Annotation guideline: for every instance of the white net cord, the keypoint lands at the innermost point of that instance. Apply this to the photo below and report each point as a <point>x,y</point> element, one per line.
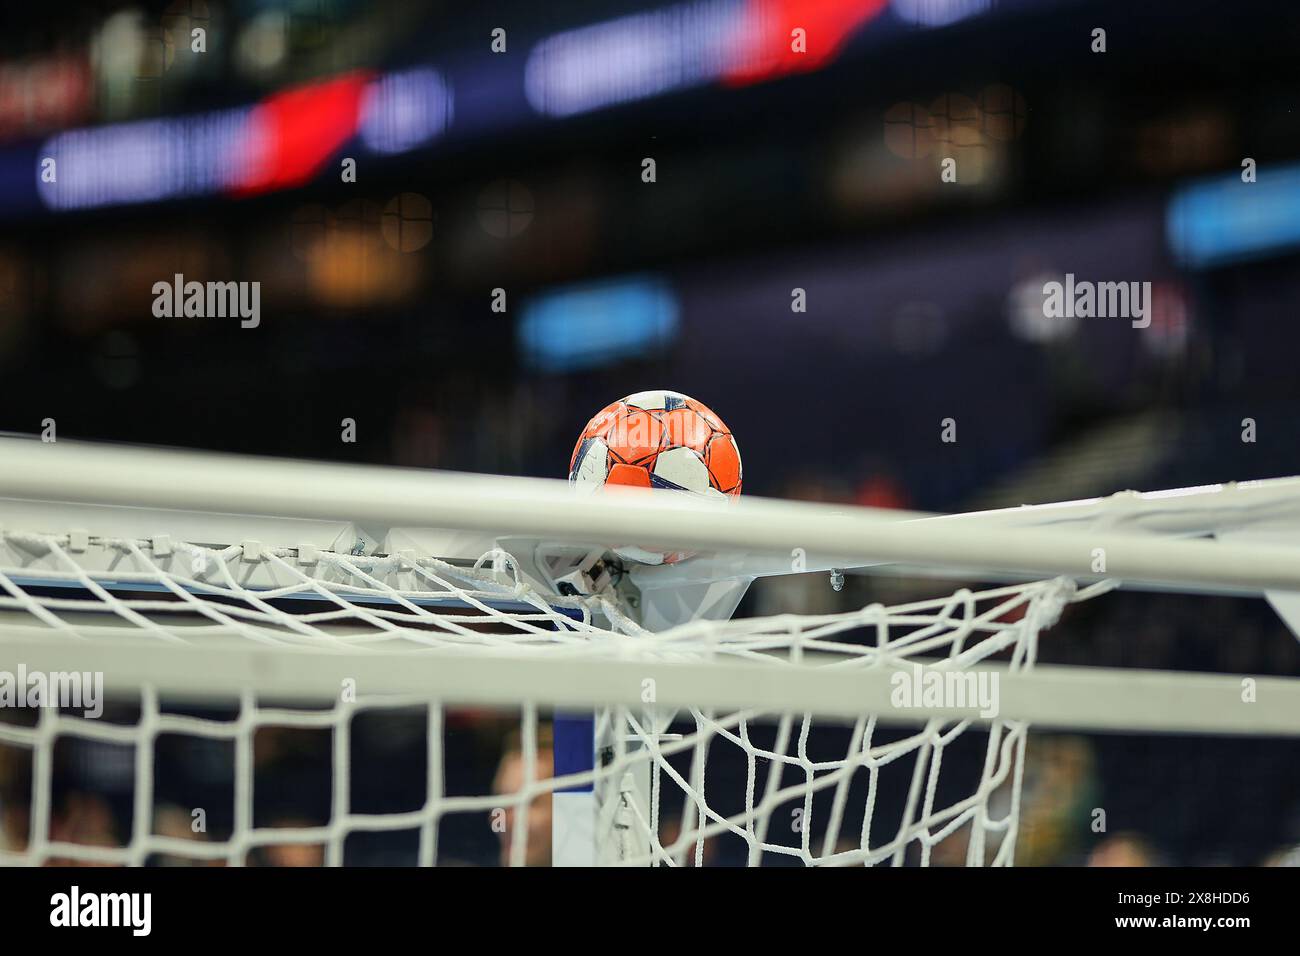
<point>672,787</point>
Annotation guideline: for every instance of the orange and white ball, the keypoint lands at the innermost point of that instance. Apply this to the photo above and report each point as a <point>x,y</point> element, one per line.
<point>657,439</point>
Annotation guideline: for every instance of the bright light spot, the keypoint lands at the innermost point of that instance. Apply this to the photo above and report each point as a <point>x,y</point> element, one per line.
<point>632,58</point>
<point>591,325</point>
<point>404,110</point>
<point>939,13</point>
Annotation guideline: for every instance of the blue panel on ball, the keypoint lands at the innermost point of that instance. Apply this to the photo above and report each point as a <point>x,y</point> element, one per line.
<point>582,453</point>
<point>657,482</point>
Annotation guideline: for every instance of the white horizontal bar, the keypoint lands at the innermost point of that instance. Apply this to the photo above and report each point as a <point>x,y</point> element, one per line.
<point>1200,510</point>
<point>1078,698</point>
<point>529,506</point>
<point>1268,510</point>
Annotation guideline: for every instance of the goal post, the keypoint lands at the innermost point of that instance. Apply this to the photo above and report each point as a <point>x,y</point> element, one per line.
<point>225,601</point>
<point>844,537</point>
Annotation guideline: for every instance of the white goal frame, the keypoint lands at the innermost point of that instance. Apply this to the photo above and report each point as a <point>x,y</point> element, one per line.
<point>1236,539</point>
<point>1241,538</point>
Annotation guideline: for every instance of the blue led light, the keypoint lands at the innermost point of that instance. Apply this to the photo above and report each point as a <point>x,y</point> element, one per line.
<point>589,325</point>
<point>1225,220</point>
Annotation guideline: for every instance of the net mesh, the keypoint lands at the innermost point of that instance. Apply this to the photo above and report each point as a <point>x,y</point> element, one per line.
<point>156,780</point>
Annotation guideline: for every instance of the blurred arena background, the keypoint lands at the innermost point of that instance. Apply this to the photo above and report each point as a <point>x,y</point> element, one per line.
<point>499,269</point>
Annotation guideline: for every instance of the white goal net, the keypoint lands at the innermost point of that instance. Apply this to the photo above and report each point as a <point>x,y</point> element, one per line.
<point>183,686</point>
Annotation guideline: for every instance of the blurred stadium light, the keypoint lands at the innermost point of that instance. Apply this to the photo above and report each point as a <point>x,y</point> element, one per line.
<point>289,134</point>
<point>586,326</point>
<point>939,13</point>
<point>403,111</point>
<point>43,93</point>
<point>631,58</point>
<point>1224,219</point>
<point>145,161</point>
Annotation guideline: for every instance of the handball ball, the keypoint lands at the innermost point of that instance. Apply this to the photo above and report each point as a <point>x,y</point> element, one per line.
<point>657,439</point>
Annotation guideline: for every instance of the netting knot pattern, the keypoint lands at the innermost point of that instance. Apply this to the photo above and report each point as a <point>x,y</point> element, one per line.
<point>667,788</point>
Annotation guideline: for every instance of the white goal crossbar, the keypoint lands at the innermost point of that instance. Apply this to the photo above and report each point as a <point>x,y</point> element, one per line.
<point>1160,539</point>
<point>1047,539</point>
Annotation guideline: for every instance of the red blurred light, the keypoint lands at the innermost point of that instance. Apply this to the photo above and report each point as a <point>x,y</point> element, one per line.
<point>44,94</point>
<point>294,133</point>
<point>765,45</point>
